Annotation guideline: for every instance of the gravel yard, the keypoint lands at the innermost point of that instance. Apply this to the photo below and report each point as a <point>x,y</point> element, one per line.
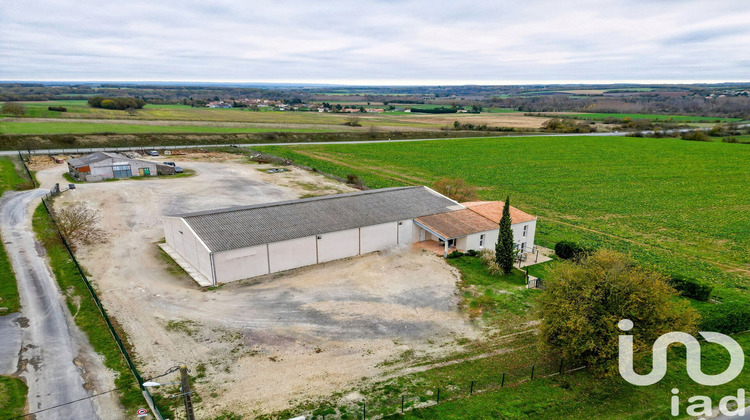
<point>265,343</point>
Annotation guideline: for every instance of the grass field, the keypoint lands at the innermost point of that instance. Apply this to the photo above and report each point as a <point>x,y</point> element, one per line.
<point>651,117</point>
<point>12,397</point>
<point>680,207</point>
<point>53,127</point>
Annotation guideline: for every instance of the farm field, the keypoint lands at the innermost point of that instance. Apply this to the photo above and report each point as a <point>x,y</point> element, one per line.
<point>388,121</point>
<point>678,206</point>
<point>52,127</point>
<point>652,117</point>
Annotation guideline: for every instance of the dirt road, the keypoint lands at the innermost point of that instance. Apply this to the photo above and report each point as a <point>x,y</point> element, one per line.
<point>55,355</point>
<point>267,344</point>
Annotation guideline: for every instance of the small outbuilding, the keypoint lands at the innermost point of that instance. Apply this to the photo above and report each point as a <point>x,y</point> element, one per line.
<point>99,166</point>
<point>231,244</point>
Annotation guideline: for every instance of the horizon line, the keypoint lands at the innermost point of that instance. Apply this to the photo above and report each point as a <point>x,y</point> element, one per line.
<point>391,83</point>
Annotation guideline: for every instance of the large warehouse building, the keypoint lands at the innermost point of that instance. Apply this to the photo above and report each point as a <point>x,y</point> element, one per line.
<point>226,245</point>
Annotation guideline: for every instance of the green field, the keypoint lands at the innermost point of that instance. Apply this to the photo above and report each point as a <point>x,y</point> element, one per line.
<point>678,206</point>
<point>12,397</point>
<point>651,117</point>
<point>53,127</point>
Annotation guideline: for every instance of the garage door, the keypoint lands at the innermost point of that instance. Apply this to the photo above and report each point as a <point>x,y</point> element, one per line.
<point>377,237</point>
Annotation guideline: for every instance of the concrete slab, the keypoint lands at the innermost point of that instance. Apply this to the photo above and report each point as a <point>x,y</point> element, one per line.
<point>199,278</point>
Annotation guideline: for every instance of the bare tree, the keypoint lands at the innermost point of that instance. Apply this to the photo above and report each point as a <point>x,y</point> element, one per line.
<point>456,189</point>
<point>79,224</point>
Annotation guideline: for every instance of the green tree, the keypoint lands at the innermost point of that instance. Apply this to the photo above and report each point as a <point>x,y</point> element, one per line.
<point>504,252</point>
<point>582,304</point>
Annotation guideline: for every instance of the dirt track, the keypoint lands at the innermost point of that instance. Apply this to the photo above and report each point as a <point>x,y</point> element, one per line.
<point>268,343</point>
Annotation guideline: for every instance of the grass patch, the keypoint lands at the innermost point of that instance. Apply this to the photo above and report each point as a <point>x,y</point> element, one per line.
<point>582,395</point>
<point>87,315</point>
<point>501,301</point>
<point>12,397</point>
<point>172,267</point>
<point>650,117</point>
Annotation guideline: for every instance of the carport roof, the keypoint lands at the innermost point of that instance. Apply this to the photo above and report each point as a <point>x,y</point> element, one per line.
<point>241,227</point>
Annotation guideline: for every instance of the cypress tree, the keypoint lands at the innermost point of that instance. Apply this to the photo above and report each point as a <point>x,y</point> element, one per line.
<point>504,251</point>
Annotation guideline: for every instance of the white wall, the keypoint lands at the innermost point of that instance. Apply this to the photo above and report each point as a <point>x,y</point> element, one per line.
<point>187,245</point>
<point>405,229</point>
<point>490,238</point>
<point>337,245</point>
<point>293,253</point>
<point>239,264</point>
<point>377,237</point>
<point>518,237</point>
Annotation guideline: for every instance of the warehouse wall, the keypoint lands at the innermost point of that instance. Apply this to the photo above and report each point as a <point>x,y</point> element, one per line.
<point>337,245</point>
<point>377,237</point>
<point>183,240</point>
<point>293,253</point>
<point>239,264</point>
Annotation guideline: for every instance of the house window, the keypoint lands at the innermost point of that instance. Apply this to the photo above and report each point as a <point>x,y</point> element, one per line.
<point>481,240</point>
<point>525,230</point>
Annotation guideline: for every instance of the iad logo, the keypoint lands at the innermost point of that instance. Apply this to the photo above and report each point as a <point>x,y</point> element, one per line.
<point>693,365</point>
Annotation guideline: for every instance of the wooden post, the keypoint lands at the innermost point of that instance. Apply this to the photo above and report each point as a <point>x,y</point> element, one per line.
<point>471,391</point>
<point>189,415</point>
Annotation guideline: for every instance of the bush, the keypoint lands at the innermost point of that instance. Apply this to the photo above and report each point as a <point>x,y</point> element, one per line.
<point>730,139</point>
<point>12,108</point>
<point>691,288</point>
<point>727,318</point>
<point>455,254</point>
<point>568,250</point>
<point>57,108</point>
<point>116,103</point>
<point>695,135</point>
<point>472,253</point>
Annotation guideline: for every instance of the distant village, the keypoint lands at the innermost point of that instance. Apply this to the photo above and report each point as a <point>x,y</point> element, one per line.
<point>258,104</point>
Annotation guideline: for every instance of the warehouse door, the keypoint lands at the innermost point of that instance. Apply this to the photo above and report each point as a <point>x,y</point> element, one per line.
<point>122,171</point>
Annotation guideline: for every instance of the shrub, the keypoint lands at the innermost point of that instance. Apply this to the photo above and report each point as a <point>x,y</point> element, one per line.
<point>691,288</point>
<point>12,108</point>
<point>730,139</point>
<point>57,108</point>
<point>695,135</point>
<point>727,318</point>
<point>568,250</point>
<point>488,260</point>
<point>472,253</point>
<point>455,254</point>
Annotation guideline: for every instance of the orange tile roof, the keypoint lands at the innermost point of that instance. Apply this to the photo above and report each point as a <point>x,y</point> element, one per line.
<point>493,210</point>
<point>455,224</point>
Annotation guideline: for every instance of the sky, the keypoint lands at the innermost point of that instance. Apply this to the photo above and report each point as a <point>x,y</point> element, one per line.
<point>376,42</point>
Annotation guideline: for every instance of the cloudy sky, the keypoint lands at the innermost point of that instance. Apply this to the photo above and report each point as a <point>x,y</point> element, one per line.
<point>376,41</point>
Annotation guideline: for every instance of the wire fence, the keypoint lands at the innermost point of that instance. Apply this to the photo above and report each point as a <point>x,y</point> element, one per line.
<point>385,403</point>
<point>89,287</point>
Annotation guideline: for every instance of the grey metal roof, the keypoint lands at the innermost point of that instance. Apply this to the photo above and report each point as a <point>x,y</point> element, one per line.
<point>95,157</point>
<point>240,227</point>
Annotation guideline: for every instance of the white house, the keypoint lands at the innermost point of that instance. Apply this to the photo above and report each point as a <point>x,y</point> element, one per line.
<point>226,245</point>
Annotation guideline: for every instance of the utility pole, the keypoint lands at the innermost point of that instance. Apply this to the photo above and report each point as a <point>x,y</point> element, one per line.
<point>185,380</point>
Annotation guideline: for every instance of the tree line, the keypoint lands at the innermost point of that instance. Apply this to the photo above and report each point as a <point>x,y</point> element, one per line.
<point>121,103</point>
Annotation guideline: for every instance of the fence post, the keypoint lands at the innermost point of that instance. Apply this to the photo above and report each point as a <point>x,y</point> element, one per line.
<point>502,382</point>
<point>561,365</point>
<point>364,410</point>
<point>532,372</point>
<point>471,391</point>
<point>402,404</point>
<point>438,396</point>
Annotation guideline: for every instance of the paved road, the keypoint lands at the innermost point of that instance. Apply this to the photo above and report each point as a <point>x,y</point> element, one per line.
<point>50,338</point>
<point>74,150</point>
